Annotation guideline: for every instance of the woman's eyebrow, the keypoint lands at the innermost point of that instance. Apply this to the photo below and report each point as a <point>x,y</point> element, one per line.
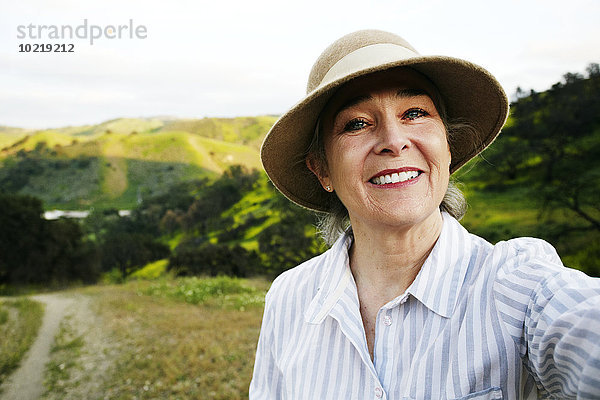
<point>403,93</point>
<point>352,102</point>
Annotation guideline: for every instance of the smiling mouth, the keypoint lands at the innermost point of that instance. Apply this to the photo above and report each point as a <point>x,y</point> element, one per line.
<point>396,177</point>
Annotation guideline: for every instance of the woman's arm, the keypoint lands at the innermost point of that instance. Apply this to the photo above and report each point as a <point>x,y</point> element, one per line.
<point>562,333</point>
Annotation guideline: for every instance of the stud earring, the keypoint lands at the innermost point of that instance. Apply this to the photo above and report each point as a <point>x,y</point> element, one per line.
<point>328,188</point>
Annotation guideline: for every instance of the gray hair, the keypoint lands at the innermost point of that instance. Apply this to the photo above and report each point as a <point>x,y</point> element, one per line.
<point>336,219</point>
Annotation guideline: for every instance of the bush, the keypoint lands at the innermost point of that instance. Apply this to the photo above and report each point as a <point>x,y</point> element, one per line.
<point>152,270</point>
<point>114,277</point>
<point>221,292</point>
<point>126,251</point>
<point>33,250</point>
<point>286,244</point>
<point>213,259</point>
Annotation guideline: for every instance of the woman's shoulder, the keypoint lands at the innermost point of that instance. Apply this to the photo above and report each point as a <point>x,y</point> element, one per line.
<point>511,253</point>
<point>525,255</point>
<point>301,280</point>
<point>305,278</point>
<point>529,267</point>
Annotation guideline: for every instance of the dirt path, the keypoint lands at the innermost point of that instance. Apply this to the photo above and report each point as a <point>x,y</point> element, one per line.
<point>27,382</point>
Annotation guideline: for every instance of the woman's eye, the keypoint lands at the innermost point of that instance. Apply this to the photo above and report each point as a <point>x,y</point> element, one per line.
<point>355,125</point>
<point>414,113</point>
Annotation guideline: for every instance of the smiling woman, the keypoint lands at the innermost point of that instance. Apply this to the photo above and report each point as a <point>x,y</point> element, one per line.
<point>336,220</point>
<point>406,304</point>
<point>391,127</point>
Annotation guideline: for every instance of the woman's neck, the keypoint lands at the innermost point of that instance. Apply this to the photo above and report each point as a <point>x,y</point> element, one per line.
<point>386,260</point>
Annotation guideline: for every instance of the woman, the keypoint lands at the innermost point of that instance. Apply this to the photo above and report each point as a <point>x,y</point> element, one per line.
<point>407,304</point>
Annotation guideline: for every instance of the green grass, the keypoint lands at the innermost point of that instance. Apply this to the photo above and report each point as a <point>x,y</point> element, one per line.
<point>7,139</point>
<point>28,142</point>
<point>164,146</point>
<point>3,315</point>
<point>72,186</point>
<point>172,349</point>
<point>226,154</point>
<point>148,178</point>
<point>242,130</point>
<point>500,216</point>
<point>64,354</point>
<point>220,292</point>
<point>125,126</point>
<point>22,320</point>
<point>151,271</point>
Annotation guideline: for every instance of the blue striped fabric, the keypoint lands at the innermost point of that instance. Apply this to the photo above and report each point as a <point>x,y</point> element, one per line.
<point>479,322</point>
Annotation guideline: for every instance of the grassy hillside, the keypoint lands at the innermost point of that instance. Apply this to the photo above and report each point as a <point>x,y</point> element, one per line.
<point>9,135</point>
<point>245,130</point>
<point>119,162</point>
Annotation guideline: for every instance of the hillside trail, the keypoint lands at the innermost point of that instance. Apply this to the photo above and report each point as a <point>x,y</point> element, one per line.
<point>27,382</point>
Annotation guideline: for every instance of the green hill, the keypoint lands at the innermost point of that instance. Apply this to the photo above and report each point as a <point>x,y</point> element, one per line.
<point>119,162</point>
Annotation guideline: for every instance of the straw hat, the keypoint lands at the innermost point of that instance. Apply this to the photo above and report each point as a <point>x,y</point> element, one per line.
<point>468,91</point>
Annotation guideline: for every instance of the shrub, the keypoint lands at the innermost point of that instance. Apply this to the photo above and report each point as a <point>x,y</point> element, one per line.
<point>213,259</point>
<point>126,251</point>
<point>152,270</point>
<point>221,292</point>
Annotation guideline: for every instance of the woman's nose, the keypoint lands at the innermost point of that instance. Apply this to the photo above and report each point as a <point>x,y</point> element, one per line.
<point>392,137</point>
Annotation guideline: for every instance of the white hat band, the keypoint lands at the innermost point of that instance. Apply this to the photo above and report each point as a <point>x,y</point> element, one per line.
<point>367,57</point>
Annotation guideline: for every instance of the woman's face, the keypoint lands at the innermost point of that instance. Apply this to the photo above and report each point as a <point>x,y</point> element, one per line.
<point>387,153</point>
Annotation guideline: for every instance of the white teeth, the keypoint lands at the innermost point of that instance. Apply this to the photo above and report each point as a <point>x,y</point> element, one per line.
<point>395,177</point>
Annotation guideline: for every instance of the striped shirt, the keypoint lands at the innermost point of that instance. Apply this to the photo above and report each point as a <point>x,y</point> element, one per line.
<point>480,321</point>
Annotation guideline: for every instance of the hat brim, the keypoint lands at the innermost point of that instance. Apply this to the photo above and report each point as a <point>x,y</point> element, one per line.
<point>469,92</point>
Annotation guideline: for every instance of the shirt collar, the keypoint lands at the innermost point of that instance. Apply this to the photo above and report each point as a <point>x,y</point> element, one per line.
<point>440,280</point>
<point>437,285</point>
<point>335,279</point>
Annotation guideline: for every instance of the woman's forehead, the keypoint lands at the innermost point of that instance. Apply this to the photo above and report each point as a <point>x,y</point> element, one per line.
<point>404,81</point>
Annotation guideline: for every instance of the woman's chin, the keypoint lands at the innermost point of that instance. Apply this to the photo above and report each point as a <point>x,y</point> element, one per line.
<point>399,214</point>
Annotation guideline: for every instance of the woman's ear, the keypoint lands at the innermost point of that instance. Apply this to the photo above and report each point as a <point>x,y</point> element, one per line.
<point>320,171</point>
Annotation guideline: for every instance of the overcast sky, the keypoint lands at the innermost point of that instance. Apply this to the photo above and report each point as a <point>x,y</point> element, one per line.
<point>236,58</point>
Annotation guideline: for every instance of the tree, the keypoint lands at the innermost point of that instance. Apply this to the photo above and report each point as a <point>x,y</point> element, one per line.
<point>554,142</point>
<point>192,258</point>
<point>128,251</point>
<point>288,242</point>
<point>33,250</point>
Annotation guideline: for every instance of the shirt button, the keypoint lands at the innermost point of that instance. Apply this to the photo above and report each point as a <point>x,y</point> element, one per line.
<point>378,392</point>
<point>387,320</point>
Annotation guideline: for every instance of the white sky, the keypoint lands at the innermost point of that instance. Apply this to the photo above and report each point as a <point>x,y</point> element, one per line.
<point>232,58</point>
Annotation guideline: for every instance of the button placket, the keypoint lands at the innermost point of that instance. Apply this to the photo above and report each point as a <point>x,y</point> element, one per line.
<point>378,392</point>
